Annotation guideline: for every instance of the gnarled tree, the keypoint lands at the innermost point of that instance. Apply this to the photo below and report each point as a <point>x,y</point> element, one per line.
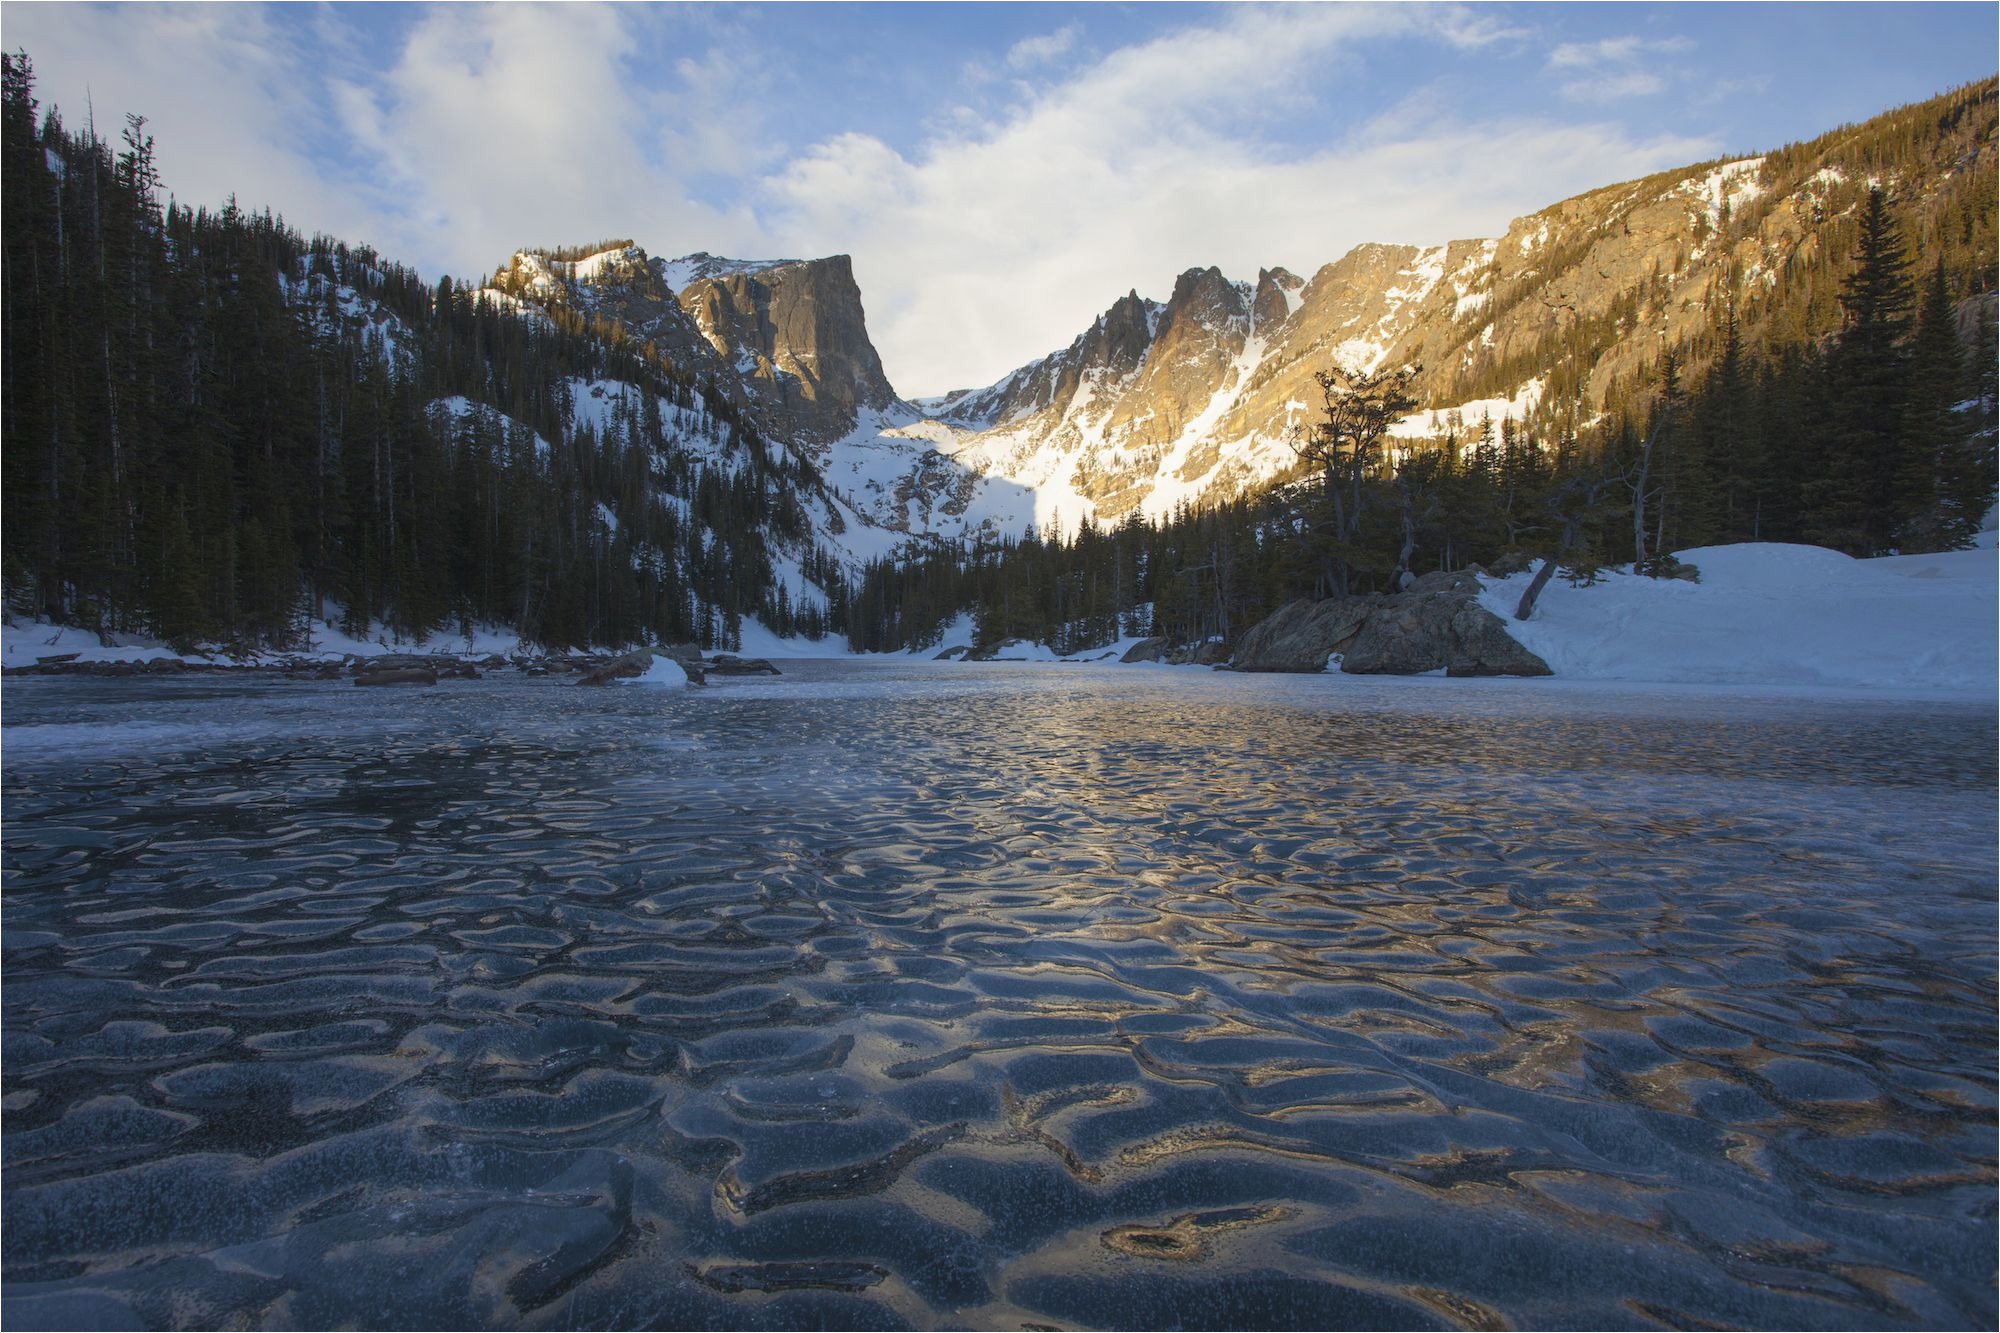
<point>1346,449</point>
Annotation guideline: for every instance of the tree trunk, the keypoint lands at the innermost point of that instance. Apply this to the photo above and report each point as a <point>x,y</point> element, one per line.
<point>1639,511</point>
<point>1541,581</point>
<point>1409,546</point>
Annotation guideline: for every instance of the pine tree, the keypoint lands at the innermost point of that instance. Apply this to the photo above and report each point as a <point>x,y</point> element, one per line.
<point>1941,487</point>
<point>1857,504</point>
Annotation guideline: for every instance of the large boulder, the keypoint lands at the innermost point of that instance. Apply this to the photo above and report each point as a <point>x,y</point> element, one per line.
<point>1432,631</point>
<point>725,665</point>
<point>416,675</point>
<point>1299,635</point>
<point>687,654</point>
<point>635,663</point>
<point>1405,636</point>
<point>395,662</point>
<point>1436,625</point>
<point>1458,580</point>
<point>1146,650</point>
<point>1485,648</point>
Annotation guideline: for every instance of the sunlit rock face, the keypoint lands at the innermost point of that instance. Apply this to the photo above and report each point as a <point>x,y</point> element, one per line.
<point>1200,398</point>
<point>797,334</point>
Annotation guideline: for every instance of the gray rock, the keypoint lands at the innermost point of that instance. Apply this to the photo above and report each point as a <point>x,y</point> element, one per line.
<point>1419,632</point>
<point>395,662</point>
<point>1146,650</point>
<point>1405,636</point>
<point>1438,625</point>
<point>1438,580</point>
<point>952,654</point>
<point>1485,648</point>
<point>422,675</point>
<point>635,663</point>
<point>725,665</point>
<point>1299,635</point>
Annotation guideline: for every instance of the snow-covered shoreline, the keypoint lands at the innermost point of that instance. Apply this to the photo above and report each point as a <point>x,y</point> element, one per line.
<point>1773,616</point>
<point>1764,619</point>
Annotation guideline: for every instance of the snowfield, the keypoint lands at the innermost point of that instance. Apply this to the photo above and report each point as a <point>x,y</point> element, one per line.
<point>1778,615</point>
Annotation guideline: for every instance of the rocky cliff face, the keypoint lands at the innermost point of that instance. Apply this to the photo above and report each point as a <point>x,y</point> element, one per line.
<point>788,338</point>
<point>796,333</point>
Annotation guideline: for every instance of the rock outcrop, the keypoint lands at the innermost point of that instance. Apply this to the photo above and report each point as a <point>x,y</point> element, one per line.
<point>797,335</point>
<point>1299,636</point>
<point>726,665</point>
<point>1437,625</point>
<point>1415,632</point>
<point>632,665</point>
<point>629,666</point>
<point>412,675</point>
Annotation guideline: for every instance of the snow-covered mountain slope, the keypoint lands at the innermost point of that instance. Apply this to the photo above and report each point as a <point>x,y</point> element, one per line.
<point>1199,397</point>
<point>336,295</point>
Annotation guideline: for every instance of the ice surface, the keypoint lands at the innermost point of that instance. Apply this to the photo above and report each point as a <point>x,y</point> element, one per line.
<point>901,993</point>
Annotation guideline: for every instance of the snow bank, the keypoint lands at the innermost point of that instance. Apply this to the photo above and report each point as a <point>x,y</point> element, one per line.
<point>1771,614</point>
<point>23,643</point>
<point>665,673</point>
<point>761,642</point>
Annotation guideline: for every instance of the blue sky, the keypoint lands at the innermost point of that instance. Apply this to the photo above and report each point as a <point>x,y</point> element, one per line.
<point>1000,173</point>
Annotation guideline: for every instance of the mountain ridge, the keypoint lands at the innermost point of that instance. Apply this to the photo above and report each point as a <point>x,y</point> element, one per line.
<point>1196,398</point>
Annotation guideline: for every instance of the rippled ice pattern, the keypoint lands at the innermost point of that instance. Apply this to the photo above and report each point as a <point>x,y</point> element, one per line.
<point>995,997</point>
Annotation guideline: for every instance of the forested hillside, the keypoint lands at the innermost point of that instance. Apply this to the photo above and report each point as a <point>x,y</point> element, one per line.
<point>218,430</point>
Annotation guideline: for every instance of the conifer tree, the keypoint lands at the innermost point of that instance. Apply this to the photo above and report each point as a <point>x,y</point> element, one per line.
<point>1942,485</point>
<point>1857,503</point>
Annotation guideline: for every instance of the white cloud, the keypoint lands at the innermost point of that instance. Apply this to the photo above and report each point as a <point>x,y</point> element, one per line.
<point>1032,51</point>
<point>1614,87</point>
<point>488,127</point>
<point>995,244</point>
<point>216,84</point>
<point>512,125</point>
<point>1615,68</point>
<point>467,131</point>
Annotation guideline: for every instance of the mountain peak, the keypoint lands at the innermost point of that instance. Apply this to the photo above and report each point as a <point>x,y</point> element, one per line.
<point>682,273</point>
<point>795,330</point>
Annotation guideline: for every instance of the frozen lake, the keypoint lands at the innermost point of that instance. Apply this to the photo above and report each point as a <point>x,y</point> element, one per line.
<point>946,995</point>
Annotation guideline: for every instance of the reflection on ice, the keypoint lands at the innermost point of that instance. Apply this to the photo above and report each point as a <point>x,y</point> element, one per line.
<point>882,995</point>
